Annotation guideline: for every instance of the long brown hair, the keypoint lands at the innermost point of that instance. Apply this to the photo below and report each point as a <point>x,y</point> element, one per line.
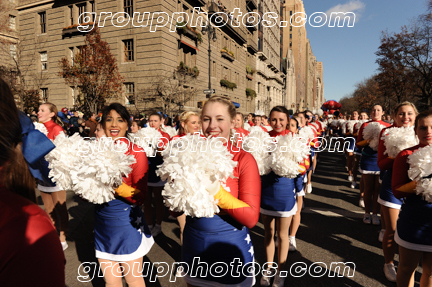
<point>53,109</point>
<point>14,173</point>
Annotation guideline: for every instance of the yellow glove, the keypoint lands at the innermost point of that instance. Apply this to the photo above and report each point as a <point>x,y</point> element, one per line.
<point>125,190</point>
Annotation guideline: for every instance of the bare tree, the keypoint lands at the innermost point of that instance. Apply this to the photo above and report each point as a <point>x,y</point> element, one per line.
<point>169,92</point>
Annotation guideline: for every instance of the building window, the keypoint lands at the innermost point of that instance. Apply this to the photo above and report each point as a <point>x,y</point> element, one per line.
<point>42,21</point>
<point>130,92</point>
<point>128,6</point>
<point>290,28</point>
<point>93,9</point>
<point>12,48</point>
<point>290,36</point>
<point>71,53</point>
<point>71,15</point>
<point>44,61</point>
<point>128,50</point>
<point>290,44</point>
<point>12,22</point>
<point>81,9</point>
<point>214,69</point>
<point>290,13</point>
<point>44,94</point>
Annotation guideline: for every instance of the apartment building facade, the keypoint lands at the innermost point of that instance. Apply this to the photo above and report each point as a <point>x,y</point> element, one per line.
<point>48,32</point>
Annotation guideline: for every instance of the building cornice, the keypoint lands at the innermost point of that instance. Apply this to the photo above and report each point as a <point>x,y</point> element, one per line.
<point>32,5</point>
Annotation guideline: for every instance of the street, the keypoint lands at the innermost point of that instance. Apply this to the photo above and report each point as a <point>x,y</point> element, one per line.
<point>331,231</point>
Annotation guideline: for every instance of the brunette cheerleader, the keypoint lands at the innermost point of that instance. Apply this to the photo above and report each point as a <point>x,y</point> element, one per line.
<point>122,236</point>
<point>53,197</point>
<point>414,228</point>
<point>278,204</point>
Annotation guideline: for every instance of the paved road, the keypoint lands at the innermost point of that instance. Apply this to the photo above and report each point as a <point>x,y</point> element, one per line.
<point>331,231</point>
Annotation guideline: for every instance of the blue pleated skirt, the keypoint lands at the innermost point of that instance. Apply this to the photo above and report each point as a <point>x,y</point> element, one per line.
<point>278,195</point>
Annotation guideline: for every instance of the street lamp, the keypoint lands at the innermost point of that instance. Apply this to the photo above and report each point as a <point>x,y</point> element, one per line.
<point>211,35</point>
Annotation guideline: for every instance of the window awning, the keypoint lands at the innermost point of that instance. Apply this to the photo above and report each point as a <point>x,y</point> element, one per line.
<point>189,45</point>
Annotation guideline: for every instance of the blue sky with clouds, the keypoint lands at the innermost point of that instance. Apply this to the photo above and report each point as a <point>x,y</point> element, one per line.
<point>348,54</point>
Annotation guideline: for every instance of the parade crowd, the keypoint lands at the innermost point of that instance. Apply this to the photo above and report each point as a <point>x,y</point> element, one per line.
<point>379,147</point>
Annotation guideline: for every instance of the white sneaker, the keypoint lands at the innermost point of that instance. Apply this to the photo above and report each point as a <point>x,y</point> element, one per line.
<point>361,202</point>
<point>381,235</point>
<point>265,280</point>
<point>375,219</point>
<point>309,188</point>
<point>156,230</point>
<point>64,245</point>
<point>353,184</point>
<point>278,281</point>
<point>292,244</point>
<point>390,272</point>
<point>350,178</point>
<point>367,218</point>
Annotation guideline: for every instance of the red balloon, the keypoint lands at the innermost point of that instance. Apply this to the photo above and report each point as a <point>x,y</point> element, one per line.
<point>332,111</point>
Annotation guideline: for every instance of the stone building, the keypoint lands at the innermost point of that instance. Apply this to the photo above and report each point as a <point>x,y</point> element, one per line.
<point>48,32</point>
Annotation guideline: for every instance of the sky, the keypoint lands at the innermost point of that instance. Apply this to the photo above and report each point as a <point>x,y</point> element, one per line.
<point>348,53</point>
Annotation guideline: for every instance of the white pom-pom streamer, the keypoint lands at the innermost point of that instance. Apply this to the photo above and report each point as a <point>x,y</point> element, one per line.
<point>371,133</point>
<point>170,131</point>
<point>351,125</point>
<point>307,133</point>
<point>256,143</point>
<point>420,168</point>
<point>147,138</point>
<point>102,171</point>
<point>398,139</point>
<point>290,151</point>
<point>41,127</point>
<point>187,161</point>
<point>359,124</point>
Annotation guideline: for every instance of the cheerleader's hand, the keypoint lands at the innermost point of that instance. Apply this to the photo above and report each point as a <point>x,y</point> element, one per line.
<point>125,190</point>
<point>212,187</point>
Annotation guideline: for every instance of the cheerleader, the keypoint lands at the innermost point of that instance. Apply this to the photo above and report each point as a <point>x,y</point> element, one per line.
<point>122,236</point>
<point>136,126</point>
<point>239,125</point>
<point>350,151</point>
<point>414,229</point>
<point>404,116</point>
<point>357,151</point>
<point>278,204</point>
<point>299,189</point>
<point>370,170</point>
<point>53,197</point>
<point>155,184</point>
<point>225,237</point>
<point>190,123</point>
<point>250,119</point>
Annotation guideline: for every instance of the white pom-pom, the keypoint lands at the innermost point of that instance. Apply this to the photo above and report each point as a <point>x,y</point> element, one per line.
<point>170,131</point>
<point>371,133</point>
<point>147,138</point>
<point>320,112</point>
<point>290,151</point>
<point>398,139</point>
<point>101,171</point>
<point>256,129</point>
<point>323,124</point>
<point>334,123</point>
<point>90,169</point>
<point>307,133</point>
<point>41,127</point>
<point>256,144</point>
<point>65,156</point>
<point>246,126</point>
<point>350,127</point>
<point>359,124</point>
<point>420,168</point>
<point>187,161</point>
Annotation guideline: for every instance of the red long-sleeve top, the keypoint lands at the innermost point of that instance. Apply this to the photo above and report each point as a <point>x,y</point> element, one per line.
<point>251,123</point>
<point>139,175</point>
<point>242,201</point>
<point>360,133</point>
<point>384,162</point>
<point>400,171</point>
<point>165,138</point>
<point>53,129</point>
<point>28,237</point>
